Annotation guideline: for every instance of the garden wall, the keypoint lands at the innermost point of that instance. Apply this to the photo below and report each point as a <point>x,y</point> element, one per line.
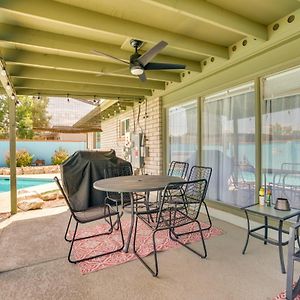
<point>40,149</point>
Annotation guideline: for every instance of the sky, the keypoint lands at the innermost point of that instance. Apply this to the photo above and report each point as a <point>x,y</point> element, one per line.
<point>66,113</point>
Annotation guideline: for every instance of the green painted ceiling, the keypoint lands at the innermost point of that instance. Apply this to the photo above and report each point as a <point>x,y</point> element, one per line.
<point>47,44</point>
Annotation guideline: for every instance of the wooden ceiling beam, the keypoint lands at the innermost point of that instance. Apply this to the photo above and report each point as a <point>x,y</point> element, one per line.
<point>76,87</point>
<point>77,47</point>
<point>58,62</point>
<point>215,15</point>
<point>75,77</point>
<point>75,17</point>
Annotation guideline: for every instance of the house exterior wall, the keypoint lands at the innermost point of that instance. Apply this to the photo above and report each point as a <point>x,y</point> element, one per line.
<point>147,121</point>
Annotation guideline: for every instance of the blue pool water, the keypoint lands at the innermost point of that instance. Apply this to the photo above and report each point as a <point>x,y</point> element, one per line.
<point>22,183</point>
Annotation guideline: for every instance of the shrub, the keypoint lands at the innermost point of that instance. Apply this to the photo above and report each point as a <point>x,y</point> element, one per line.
<point>23,158</point>
<point>59,156</point>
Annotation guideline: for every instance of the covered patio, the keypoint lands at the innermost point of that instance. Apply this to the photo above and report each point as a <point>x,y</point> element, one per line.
<point>34,265</point>
<point>221,90</point>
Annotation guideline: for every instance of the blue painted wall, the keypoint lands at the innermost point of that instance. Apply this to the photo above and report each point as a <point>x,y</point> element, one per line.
<point>40,149</point>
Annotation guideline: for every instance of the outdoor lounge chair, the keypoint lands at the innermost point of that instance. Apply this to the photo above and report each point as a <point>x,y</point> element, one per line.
<point>178,169</point>
<point>293,255</point>
<point>199,172</point>
<point>89,215</point>
<point>171,213</point>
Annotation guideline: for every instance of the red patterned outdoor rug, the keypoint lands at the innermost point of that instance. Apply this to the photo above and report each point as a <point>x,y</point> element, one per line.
<point>93,246</point>
<point>282,296</point>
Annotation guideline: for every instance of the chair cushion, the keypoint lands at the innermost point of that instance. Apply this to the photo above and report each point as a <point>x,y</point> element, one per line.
<point>94,213</point>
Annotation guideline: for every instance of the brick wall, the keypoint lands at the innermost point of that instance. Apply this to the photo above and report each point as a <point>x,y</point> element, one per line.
<point>150,124</point>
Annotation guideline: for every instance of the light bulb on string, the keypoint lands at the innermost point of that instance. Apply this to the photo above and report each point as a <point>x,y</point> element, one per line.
<point>8,87</point>
<point>3,72</point>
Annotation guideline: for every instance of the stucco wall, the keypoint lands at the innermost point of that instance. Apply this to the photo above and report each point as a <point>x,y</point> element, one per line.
<point>40,149</point>
<point>151,125</point>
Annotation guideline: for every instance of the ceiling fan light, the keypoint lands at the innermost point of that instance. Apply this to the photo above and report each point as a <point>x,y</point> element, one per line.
<point>136,70</point>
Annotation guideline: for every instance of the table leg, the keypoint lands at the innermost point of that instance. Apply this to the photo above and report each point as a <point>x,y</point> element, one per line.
<point>297,232</point>
<point>131,224</point>
<point>248,233</point>
<point>266,230</point>
<point>280,247</point>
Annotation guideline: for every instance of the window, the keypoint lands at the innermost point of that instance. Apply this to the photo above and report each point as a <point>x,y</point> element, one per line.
<point>124,127</point>
<point>281,135</point>
<point>182,132</point>
<point>228,137</point>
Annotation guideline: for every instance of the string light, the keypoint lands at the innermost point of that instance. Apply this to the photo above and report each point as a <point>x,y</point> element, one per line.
<point>8,87</point>
<point>13,97</point>
<point>39,96</point>
<point>3,71</point>
<point>68,99</point>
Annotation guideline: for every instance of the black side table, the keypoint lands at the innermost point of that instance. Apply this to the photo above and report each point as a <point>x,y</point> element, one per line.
<point>280,216</point>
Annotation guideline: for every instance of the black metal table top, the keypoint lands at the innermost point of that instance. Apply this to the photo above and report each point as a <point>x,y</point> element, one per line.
<point>140,183</point>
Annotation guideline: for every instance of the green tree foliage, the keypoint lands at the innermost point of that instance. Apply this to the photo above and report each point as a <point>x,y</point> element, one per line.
<point>30,112</point>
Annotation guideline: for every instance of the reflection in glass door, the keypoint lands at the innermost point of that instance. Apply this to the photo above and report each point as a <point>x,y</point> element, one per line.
<point>228,137</point>
<point>182,133</point>
<point>281,135</point>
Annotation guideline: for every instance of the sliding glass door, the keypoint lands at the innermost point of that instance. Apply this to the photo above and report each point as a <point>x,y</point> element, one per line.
<point>228,137</point>
<point>281,135</point>
<point>182,133</point>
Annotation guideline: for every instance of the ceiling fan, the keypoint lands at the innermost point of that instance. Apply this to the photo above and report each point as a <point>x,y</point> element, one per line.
<point>138,63</point>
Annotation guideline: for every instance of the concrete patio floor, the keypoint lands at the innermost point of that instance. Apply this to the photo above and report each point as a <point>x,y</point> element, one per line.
<point>33,265</point>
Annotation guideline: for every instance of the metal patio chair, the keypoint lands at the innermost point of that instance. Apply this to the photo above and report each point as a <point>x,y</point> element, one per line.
<point>116,171</point>
<point>178,169</point>
<point>122,198</point>
<point>293,255</point>
<point>200,172</point>
<point>172,213</point>
<point>89,215</point>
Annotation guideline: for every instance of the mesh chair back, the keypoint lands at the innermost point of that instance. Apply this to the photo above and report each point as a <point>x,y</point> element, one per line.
<point>69,203</point>
<point>178,169</point>
<point>184,208</point>
<point>117,171</point>
<point>199,172</point>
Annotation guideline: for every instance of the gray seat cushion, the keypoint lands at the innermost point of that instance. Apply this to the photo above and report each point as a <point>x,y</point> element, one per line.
<point>94,213</point>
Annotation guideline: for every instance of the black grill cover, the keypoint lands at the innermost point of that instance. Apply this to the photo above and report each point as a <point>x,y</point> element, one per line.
<point>81,170</point>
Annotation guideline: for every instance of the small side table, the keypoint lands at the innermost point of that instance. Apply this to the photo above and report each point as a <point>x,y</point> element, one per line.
<point>280,216</point>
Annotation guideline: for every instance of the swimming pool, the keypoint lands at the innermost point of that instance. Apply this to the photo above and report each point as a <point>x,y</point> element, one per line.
<point>22,183</point>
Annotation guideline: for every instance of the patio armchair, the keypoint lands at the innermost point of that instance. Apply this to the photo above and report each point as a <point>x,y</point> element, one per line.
<point>122,198</point>
<point>87,215</point>
<point>172,213</point>
<point>200,172</point>
<point>293,255</point>
<point>116,171</point>
<point>178,169</point>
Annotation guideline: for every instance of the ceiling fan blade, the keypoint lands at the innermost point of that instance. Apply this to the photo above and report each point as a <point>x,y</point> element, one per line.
<point>148,55</point>
<point>143,77</point>
<point>163,66</point>
<point>110,56</point>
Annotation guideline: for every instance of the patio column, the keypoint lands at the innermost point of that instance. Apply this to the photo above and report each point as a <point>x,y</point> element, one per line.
<point>258,139</point>
<point>12,155</point>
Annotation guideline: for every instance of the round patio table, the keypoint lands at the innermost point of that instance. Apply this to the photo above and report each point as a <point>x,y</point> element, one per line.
<point>135,184</point>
